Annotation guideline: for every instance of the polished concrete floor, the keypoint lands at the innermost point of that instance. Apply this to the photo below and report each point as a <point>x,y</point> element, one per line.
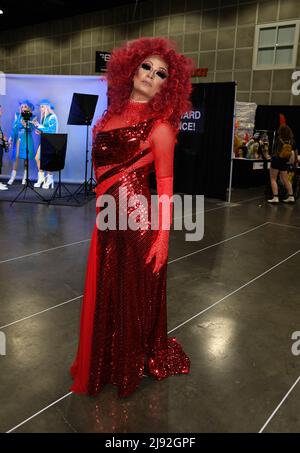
<point>233,304</point>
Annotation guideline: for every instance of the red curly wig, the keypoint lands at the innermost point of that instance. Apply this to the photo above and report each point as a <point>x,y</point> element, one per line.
<point>172,100</point>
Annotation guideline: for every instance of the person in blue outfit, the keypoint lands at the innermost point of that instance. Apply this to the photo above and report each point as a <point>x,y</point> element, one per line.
<point>48,124</point>
<point>17,139</point>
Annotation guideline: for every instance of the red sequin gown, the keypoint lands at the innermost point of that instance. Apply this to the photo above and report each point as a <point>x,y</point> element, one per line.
<point>123,328</point>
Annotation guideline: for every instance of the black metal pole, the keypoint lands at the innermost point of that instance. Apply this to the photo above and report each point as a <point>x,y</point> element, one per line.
<point>86,159</point>
<point>27,152</point>
<point>59,182</point>
<point>91,178</point>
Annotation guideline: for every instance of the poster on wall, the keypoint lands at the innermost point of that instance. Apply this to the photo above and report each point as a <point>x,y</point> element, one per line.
<point>102,58</point>
<point>193,121</point>
<point>58,90</point>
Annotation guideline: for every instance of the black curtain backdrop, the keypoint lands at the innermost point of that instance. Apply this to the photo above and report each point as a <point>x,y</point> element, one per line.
<point>202,161</point>
<point>267,117</point>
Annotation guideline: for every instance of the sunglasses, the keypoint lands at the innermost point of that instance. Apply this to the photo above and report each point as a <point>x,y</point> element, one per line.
<point>161,73</point>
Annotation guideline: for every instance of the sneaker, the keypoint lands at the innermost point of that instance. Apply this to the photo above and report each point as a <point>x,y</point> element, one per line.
<point>3,186</point>
<point>289,199</point>
<point>274,200</point>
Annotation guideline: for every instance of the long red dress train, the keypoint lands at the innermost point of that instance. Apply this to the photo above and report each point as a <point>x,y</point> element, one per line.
<point>123,329</point>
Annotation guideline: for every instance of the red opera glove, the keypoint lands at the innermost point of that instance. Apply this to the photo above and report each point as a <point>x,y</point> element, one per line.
<point>162,143</point>
<point>160,248</point>
<point>165,206</point>
<point>159,251</point>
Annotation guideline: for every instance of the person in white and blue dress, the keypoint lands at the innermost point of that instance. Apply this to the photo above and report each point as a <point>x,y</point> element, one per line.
<point>47,124</point>
<point>17,140</point>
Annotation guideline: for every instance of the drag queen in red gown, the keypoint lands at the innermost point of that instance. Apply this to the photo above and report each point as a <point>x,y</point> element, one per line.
<point>123,328</point>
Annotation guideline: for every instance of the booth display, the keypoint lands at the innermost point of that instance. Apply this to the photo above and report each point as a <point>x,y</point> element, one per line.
<point>204,149</point>
<point>250,172</point>
<point>245,118</point>
<point>47,91</point>
<point>252,159</point>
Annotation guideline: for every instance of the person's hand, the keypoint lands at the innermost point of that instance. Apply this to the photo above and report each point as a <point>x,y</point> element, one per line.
<point>10,142</point>
<point>159,251</point>
<point>35,122</point>
<point>37,132</point>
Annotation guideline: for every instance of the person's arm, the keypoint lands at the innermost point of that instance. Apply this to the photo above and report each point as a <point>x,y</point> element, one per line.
<point>15,130</point>
<point>162,141</point>
<point>3,140</point>
<point>51,127</point>
<point>292,159</point>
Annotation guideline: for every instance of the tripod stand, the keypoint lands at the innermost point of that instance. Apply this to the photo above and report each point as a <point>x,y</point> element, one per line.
<point>81,113</point>
<point>92,179</point>
<point>87,185</point>
<point>28,184</point>
<point>58,190</point>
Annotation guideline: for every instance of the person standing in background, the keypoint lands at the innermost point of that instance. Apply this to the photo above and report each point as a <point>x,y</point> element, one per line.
<point>48,124</point>
<point>17,139</point>
<point>283,152</point>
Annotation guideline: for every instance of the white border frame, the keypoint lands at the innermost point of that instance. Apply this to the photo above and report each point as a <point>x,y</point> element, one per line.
<point>277,24</point>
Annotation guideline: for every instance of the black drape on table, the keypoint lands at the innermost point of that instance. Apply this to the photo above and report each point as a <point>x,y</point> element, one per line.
<point>267,117</point>
<point>202,160</point>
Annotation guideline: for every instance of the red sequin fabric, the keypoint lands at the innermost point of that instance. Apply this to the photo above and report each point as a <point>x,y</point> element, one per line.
<point>123,330</point>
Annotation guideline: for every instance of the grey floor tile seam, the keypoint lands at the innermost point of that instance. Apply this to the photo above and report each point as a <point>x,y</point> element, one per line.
<point>43,251</point>
<point>226,205</point>
<point>66,421</point>
<point>261,197</point>
<point>285,225</point>
<point>39,412</point>
<point>236,290</point>
<point>170,262</point>
<point>219,243</point>
<point>234,203</point>
<point>41,312</point>
<point>279,406</point>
